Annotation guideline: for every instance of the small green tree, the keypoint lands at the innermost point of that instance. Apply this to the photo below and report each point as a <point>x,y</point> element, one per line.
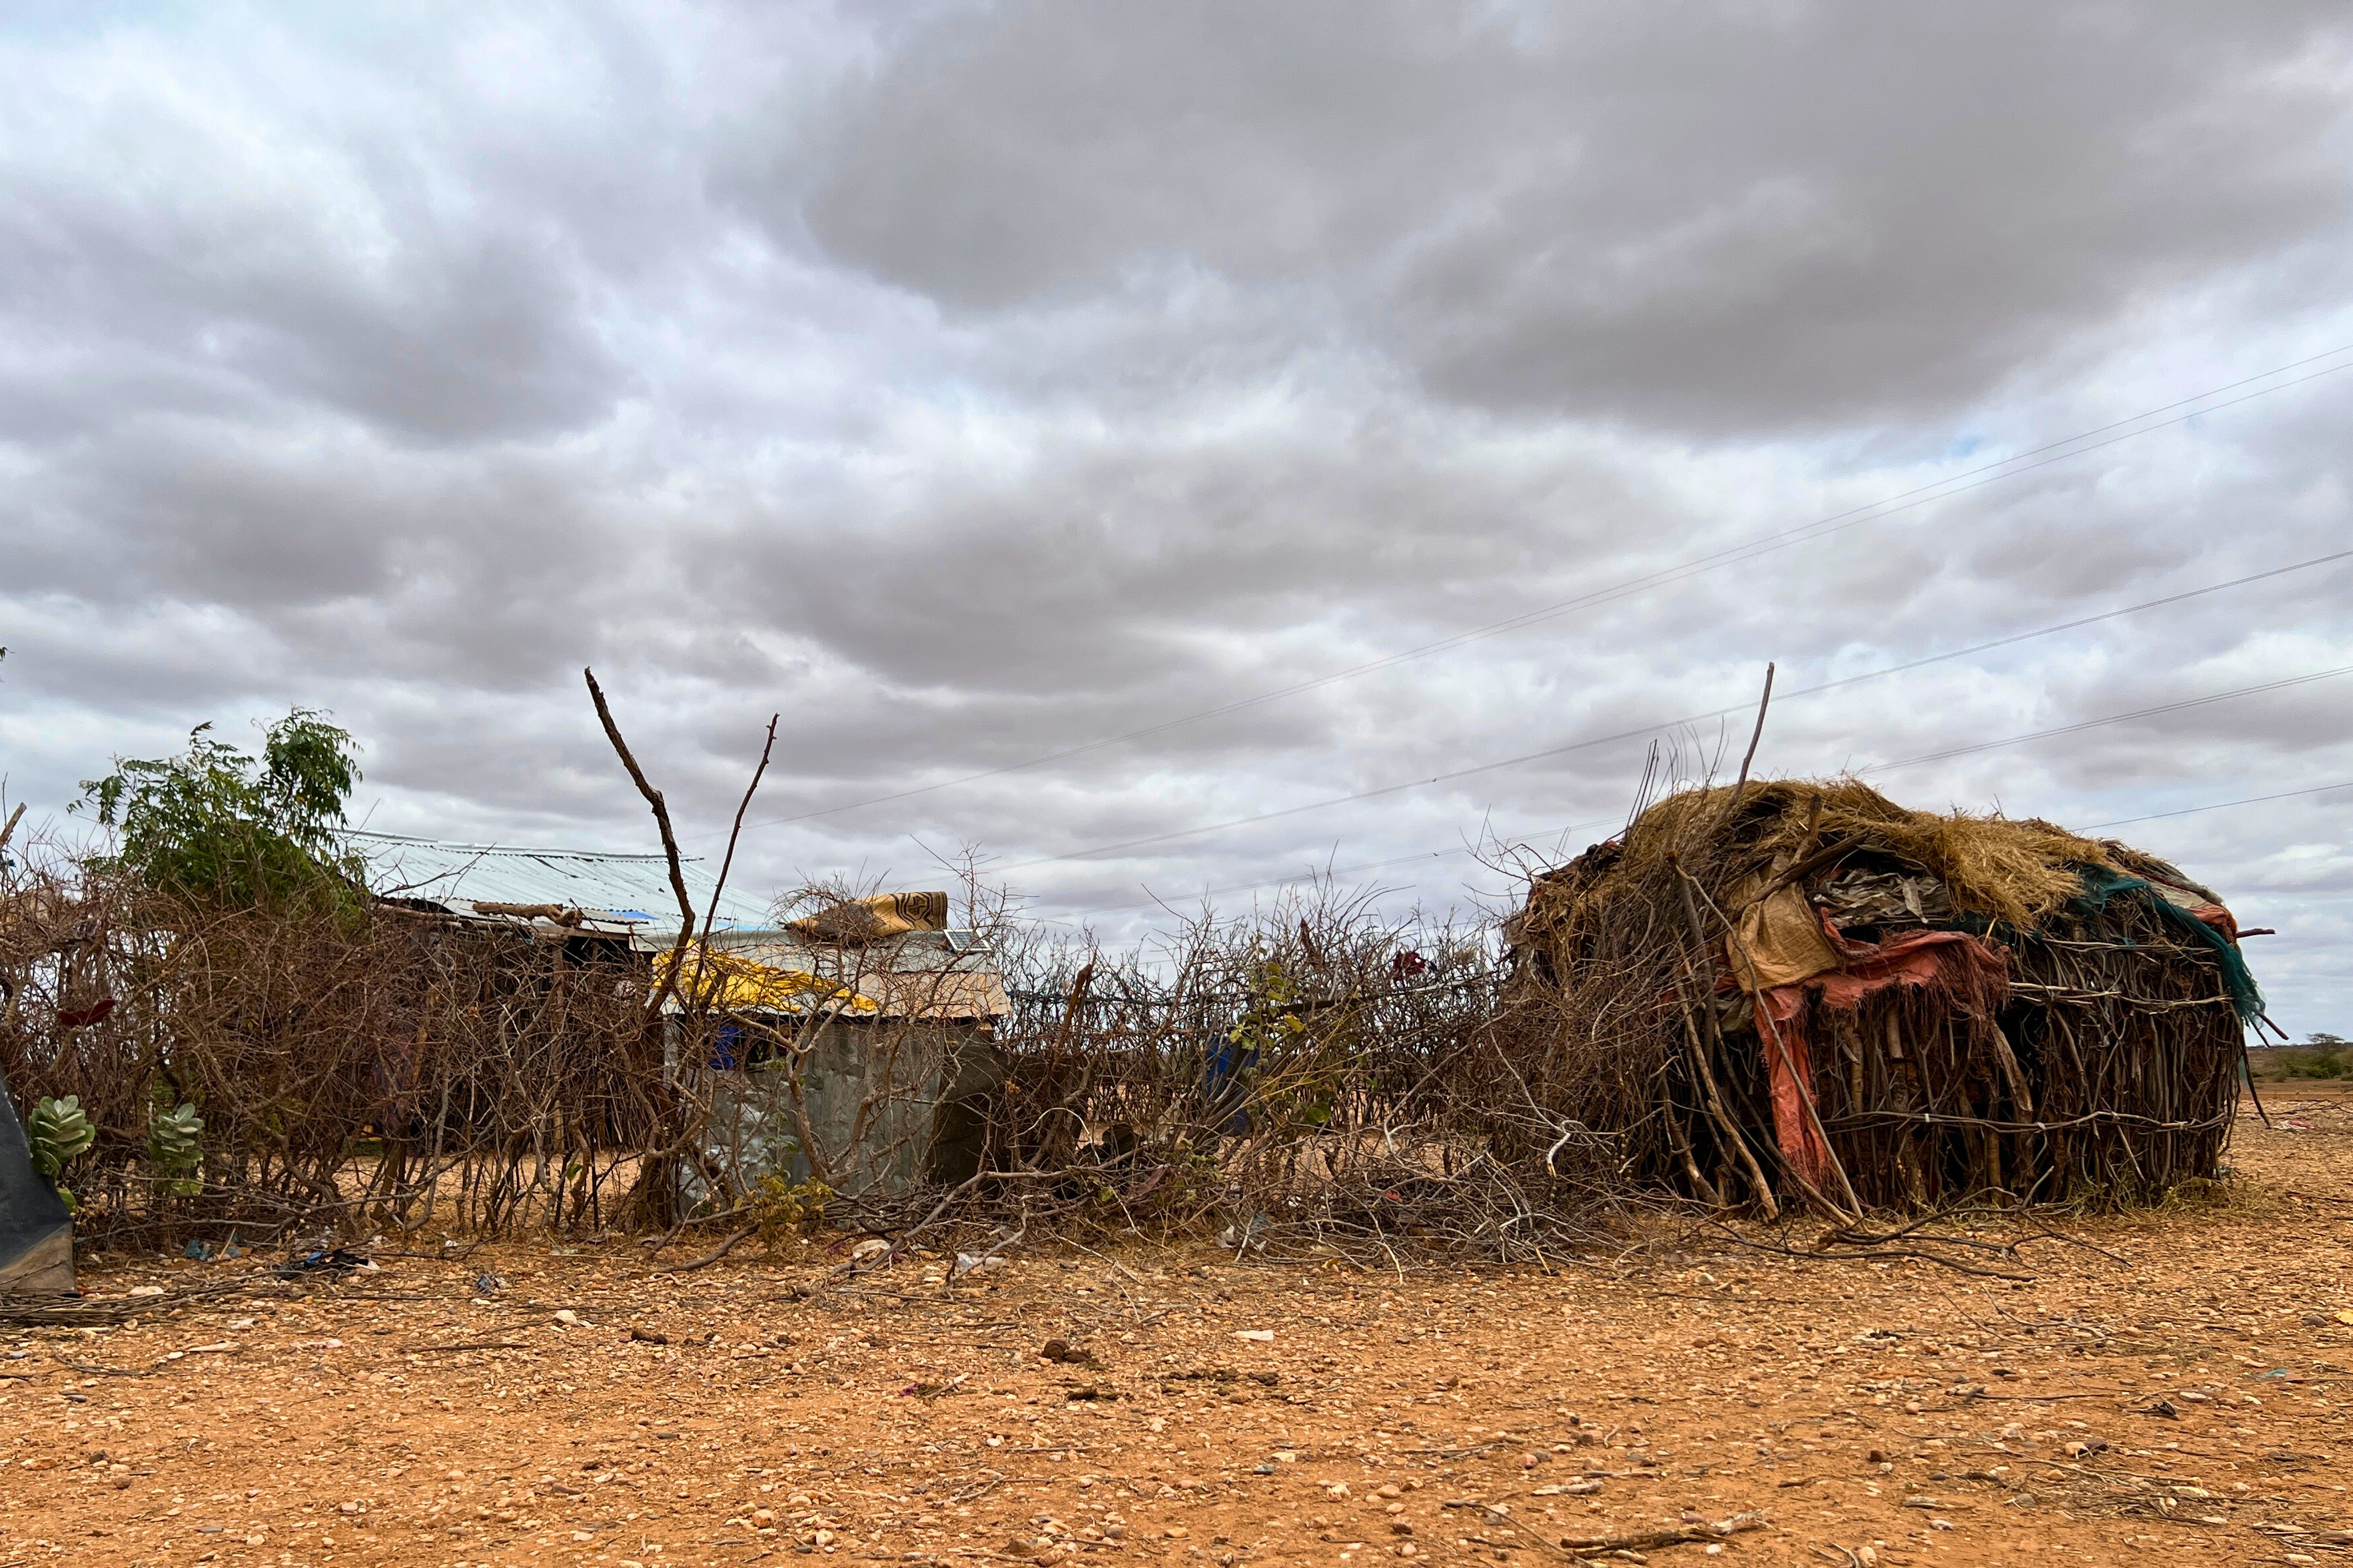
<point>220,825</point>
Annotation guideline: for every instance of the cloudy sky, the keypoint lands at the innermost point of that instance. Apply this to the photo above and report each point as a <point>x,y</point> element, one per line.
<point>1152,444</point>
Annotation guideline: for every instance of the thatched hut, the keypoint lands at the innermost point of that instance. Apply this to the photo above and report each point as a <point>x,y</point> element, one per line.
<point>1802,992</point>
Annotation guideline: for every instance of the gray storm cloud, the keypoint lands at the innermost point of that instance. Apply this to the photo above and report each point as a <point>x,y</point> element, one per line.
<point>1009,396</point>
<point>1729,218</point>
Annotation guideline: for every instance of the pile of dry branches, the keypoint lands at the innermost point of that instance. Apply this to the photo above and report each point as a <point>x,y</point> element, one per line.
<point>1308,1077</point>
<point>361,1069</point>
<point>1305,1077</point>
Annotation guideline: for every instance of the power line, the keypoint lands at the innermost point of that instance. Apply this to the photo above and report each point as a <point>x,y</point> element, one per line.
<point>1636,734</point>
<point>2076,624</point>
<point>2219,805</point>
<point>1146,903</point>
<point>1328,871</point>
<point>1654,728</point>
<point>1905,500</point>
<point>1598,821</point>
<point>2112,718</point>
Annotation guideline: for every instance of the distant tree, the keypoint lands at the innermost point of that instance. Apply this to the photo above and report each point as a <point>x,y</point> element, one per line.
<point>2322,1054</point>
<point>219,824</point>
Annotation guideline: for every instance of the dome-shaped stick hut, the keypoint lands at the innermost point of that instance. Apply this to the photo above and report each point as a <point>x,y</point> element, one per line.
<point>1801,990</point>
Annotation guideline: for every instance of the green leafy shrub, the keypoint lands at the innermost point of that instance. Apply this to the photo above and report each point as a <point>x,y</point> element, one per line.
<point>234,830</point>
<point>783,1210</point>
<point>2322,1056</point>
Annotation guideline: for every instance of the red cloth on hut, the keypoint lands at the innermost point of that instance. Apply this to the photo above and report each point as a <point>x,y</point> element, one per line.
<point>1973,973</point>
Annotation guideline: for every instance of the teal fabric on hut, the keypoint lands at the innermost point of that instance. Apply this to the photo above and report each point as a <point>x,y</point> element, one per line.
<point>2100,885</point>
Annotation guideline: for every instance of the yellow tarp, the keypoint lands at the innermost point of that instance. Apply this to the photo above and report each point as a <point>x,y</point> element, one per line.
<point>730,981</point>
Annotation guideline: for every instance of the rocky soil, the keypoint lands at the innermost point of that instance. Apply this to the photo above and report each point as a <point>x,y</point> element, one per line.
<point>2161,1387</point>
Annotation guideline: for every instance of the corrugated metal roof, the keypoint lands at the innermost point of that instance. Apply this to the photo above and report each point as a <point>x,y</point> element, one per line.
<point>631,891</point>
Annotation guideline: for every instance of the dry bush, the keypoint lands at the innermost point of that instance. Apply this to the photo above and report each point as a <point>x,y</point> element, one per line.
<point>357,1070</point>
<point>1305,1077</point>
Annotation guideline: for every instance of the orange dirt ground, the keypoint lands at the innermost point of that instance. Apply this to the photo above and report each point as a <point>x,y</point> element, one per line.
<point>1880,1411</point>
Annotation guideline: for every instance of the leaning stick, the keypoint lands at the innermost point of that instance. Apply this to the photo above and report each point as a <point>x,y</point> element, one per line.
<point>668,840</point>
<point>1682,1140</point>
<point>1725,1127</point>
<point>1755,735</point>
<point>703,959</point>
<point>1722,1118</point>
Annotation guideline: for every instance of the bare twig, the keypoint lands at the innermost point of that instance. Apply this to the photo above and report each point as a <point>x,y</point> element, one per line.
<point>669,842</point>
<point>727,863</point>
<point>1740,785</point>
<point>1673,1535</point>
<point>716,1253</point>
